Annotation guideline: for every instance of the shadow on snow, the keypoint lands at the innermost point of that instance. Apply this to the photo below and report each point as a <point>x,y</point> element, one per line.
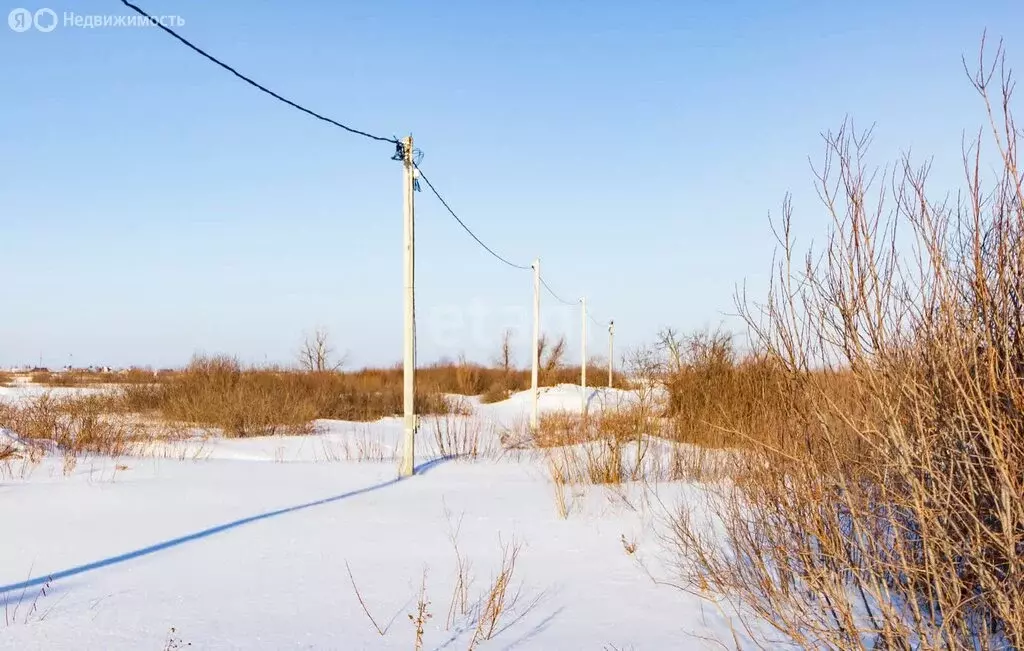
<point>205,533</point>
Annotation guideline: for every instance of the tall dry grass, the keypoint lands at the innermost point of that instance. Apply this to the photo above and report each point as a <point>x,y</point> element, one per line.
<point>888,510</point>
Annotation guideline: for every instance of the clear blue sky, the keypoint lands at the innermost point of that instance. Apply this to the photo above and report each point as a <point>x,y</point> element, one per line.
<point>152,206</point>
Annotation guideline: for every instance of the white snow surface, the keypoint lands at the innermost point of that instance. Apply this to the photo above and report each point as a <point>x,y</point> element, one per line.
<point>245,544</point>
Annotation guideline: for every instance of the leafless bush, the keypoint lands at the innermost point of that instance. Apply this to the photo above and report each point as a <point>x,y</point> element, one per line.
<point>888,512</point>
<point>456,436</point>
<point>72,425</point>
<point>505,359</point>
<point>218,392</point>
<point>316,354</point>
<point>552,356</point>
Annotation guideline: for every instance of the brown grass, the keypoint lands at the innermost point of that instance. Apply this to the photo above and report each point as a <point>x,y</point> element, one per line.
<point>6,379</point>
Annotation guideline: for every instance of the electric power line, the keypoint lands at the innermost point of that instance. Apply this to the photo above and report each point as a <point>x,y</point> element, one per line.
<point>333,122</point>
<point>466,228</point>
<point>556,296</point>
<point>249,81</point>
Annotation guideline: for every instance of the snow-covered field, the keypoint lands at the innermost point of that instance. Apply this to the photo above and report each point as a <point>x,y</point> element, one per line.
<point>255,544</point>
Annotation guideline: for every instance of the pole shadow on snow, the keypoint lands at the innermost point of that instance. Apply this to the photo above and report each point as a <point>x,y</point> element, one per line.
<point>205,533</point>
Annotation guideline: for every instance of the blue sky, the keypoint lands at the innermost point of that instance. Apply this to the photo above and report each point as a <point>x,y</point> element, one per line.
<point>152,206</point>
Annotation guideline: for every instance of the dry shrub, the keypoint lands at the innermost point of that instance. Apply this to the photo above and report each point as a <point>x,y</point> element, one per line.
<point>50,379</point>
<point>609,447</point>
<point>218,392</point>
<point>6,379</point>
<point>455,435</point>
<point>715,399</point>
<point>134,375</point>
<point>496,393</point>
<point>497,382</point>
<point>623,424</point>
<point>72,424</point>
<point>888,511</point>
<point>87,377</point>
<point>561,428</point>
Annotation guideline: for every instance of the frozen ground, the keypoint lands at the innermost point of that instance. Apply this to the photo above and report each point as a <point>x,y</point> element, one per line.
<point>245,544</point>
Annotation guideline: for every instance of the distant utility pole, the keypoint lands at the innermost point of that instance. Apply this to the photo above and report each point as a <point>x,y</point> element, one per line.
<point>409,355</point>
<point>583,357</point>
<point>611,352</point>
<point>535,356</point>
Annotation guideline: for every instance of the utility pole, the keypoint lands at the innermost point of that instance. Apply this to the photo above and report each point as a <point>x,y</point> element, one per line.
<point>583,357</point>
<point>409,352</point>
<point>611,352</point>
<point>535,374</point>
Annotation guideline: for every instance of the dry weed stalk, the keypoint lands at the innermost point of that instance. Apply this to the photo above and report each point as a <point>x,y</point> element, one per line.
<point>499,598</point>
<point>33,615</point>
<point>382,631</point>
<point>460,604</point>
<point>422,615</point>
<point>70,461</point>
<point>174,641</point>
<point>628,545</point>
<point>560,480</point>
